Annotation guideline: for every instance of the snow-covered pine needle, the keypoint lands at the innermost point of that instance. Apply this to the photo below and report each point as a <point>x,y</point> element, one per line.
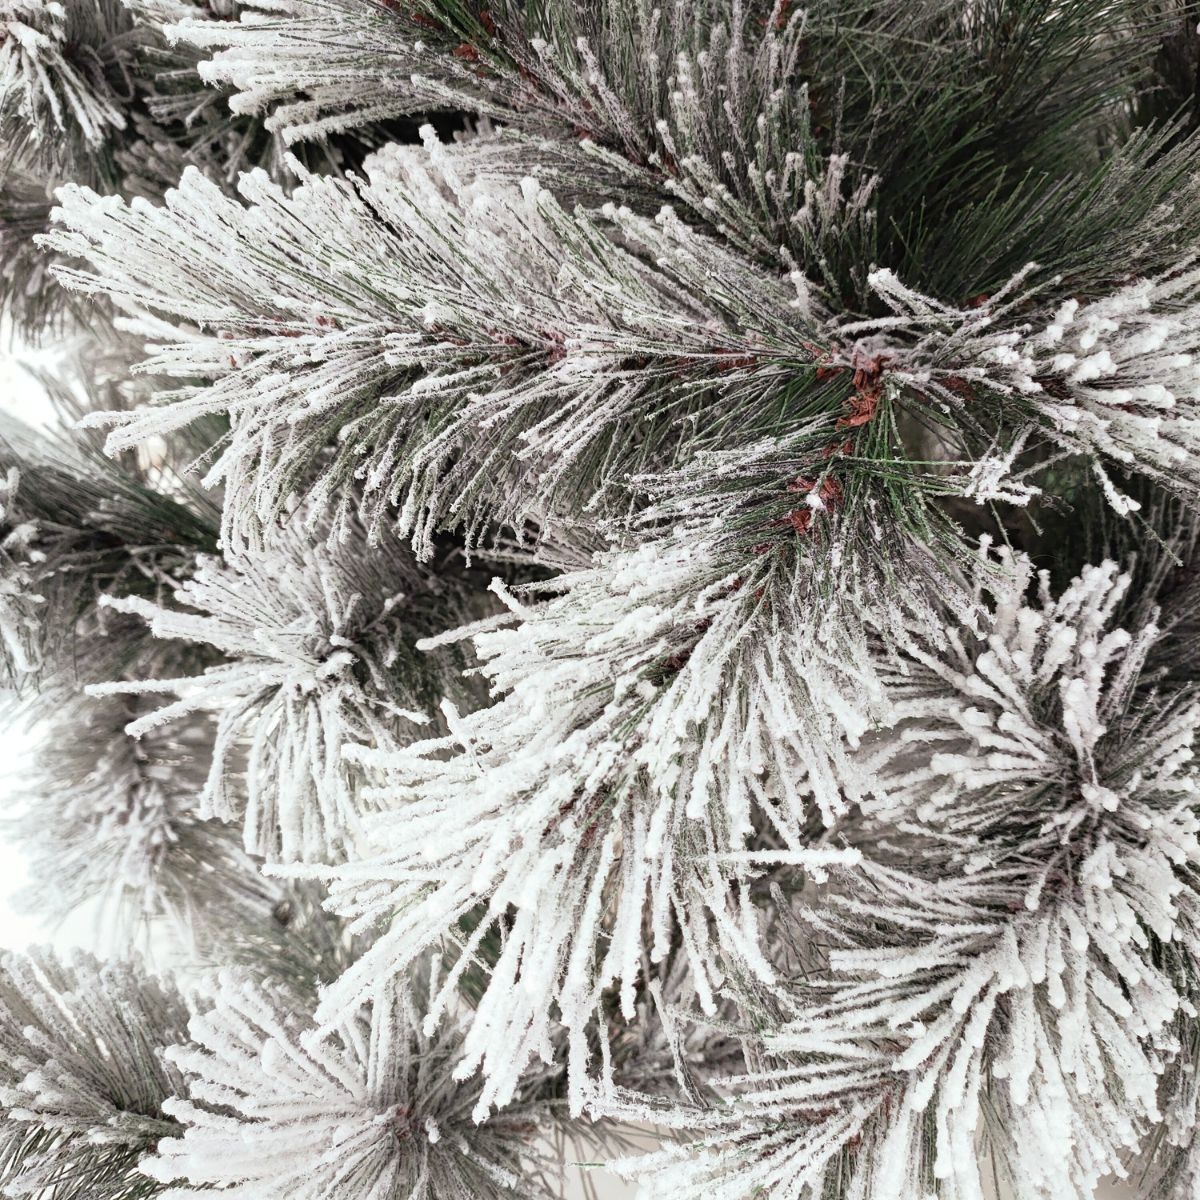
<point>466,351</point>
<point>318,652</point>
<point>108,822</point>
<point>83,1082</point>
<point>1008,960</point>
<point>370,1111</point>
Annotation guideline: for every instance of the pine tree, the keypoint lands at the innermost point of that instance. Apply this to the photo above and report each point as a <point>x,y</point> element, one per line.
<point>602,572</point>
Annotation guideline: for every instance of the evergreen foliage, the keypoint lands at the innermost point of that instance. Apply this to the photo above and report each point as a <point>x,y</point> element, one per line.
<point>605,564</point>
<point>84,1081</point>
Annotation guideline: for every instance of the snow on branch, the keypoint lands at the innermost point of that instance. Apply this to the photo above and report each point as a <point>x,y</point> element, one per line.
<point>20,626</point>
<point>109,820</point>
<point>318,649</point>
<point>1115,379</point>
<point>52,81</point>
<point>371,1110</point>
<point>652,713</point>
<point>463,352</point>
<point>1008,958</point>
<point>83,1084</point>
<point>75,527</point>
<point>702,103</point>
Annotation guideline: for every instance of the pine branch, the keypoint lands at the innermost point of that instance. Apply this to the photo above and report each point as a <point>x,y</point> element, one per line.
<point>439,353</point>
<point>1111,380</point>
<point>291,943</point>
<point>61,75</point>
<point>372,1109</point>
<point>318,652</point>
<point>700,103</point>
<point>653,711</point>
<point>83,1083</point>
<point>91,92</point>
<point>106,824</point>
<point>78,527</point>
<point>1023,910</point>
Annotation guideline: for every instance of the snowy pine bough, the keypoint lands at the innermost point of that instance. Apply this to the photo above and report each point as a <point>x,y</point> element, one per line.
<point>610,595</point>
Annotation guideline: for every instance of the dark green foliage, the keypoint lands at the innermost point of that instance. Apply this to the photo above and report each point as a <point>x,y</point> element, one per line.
<point>93,527</point>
